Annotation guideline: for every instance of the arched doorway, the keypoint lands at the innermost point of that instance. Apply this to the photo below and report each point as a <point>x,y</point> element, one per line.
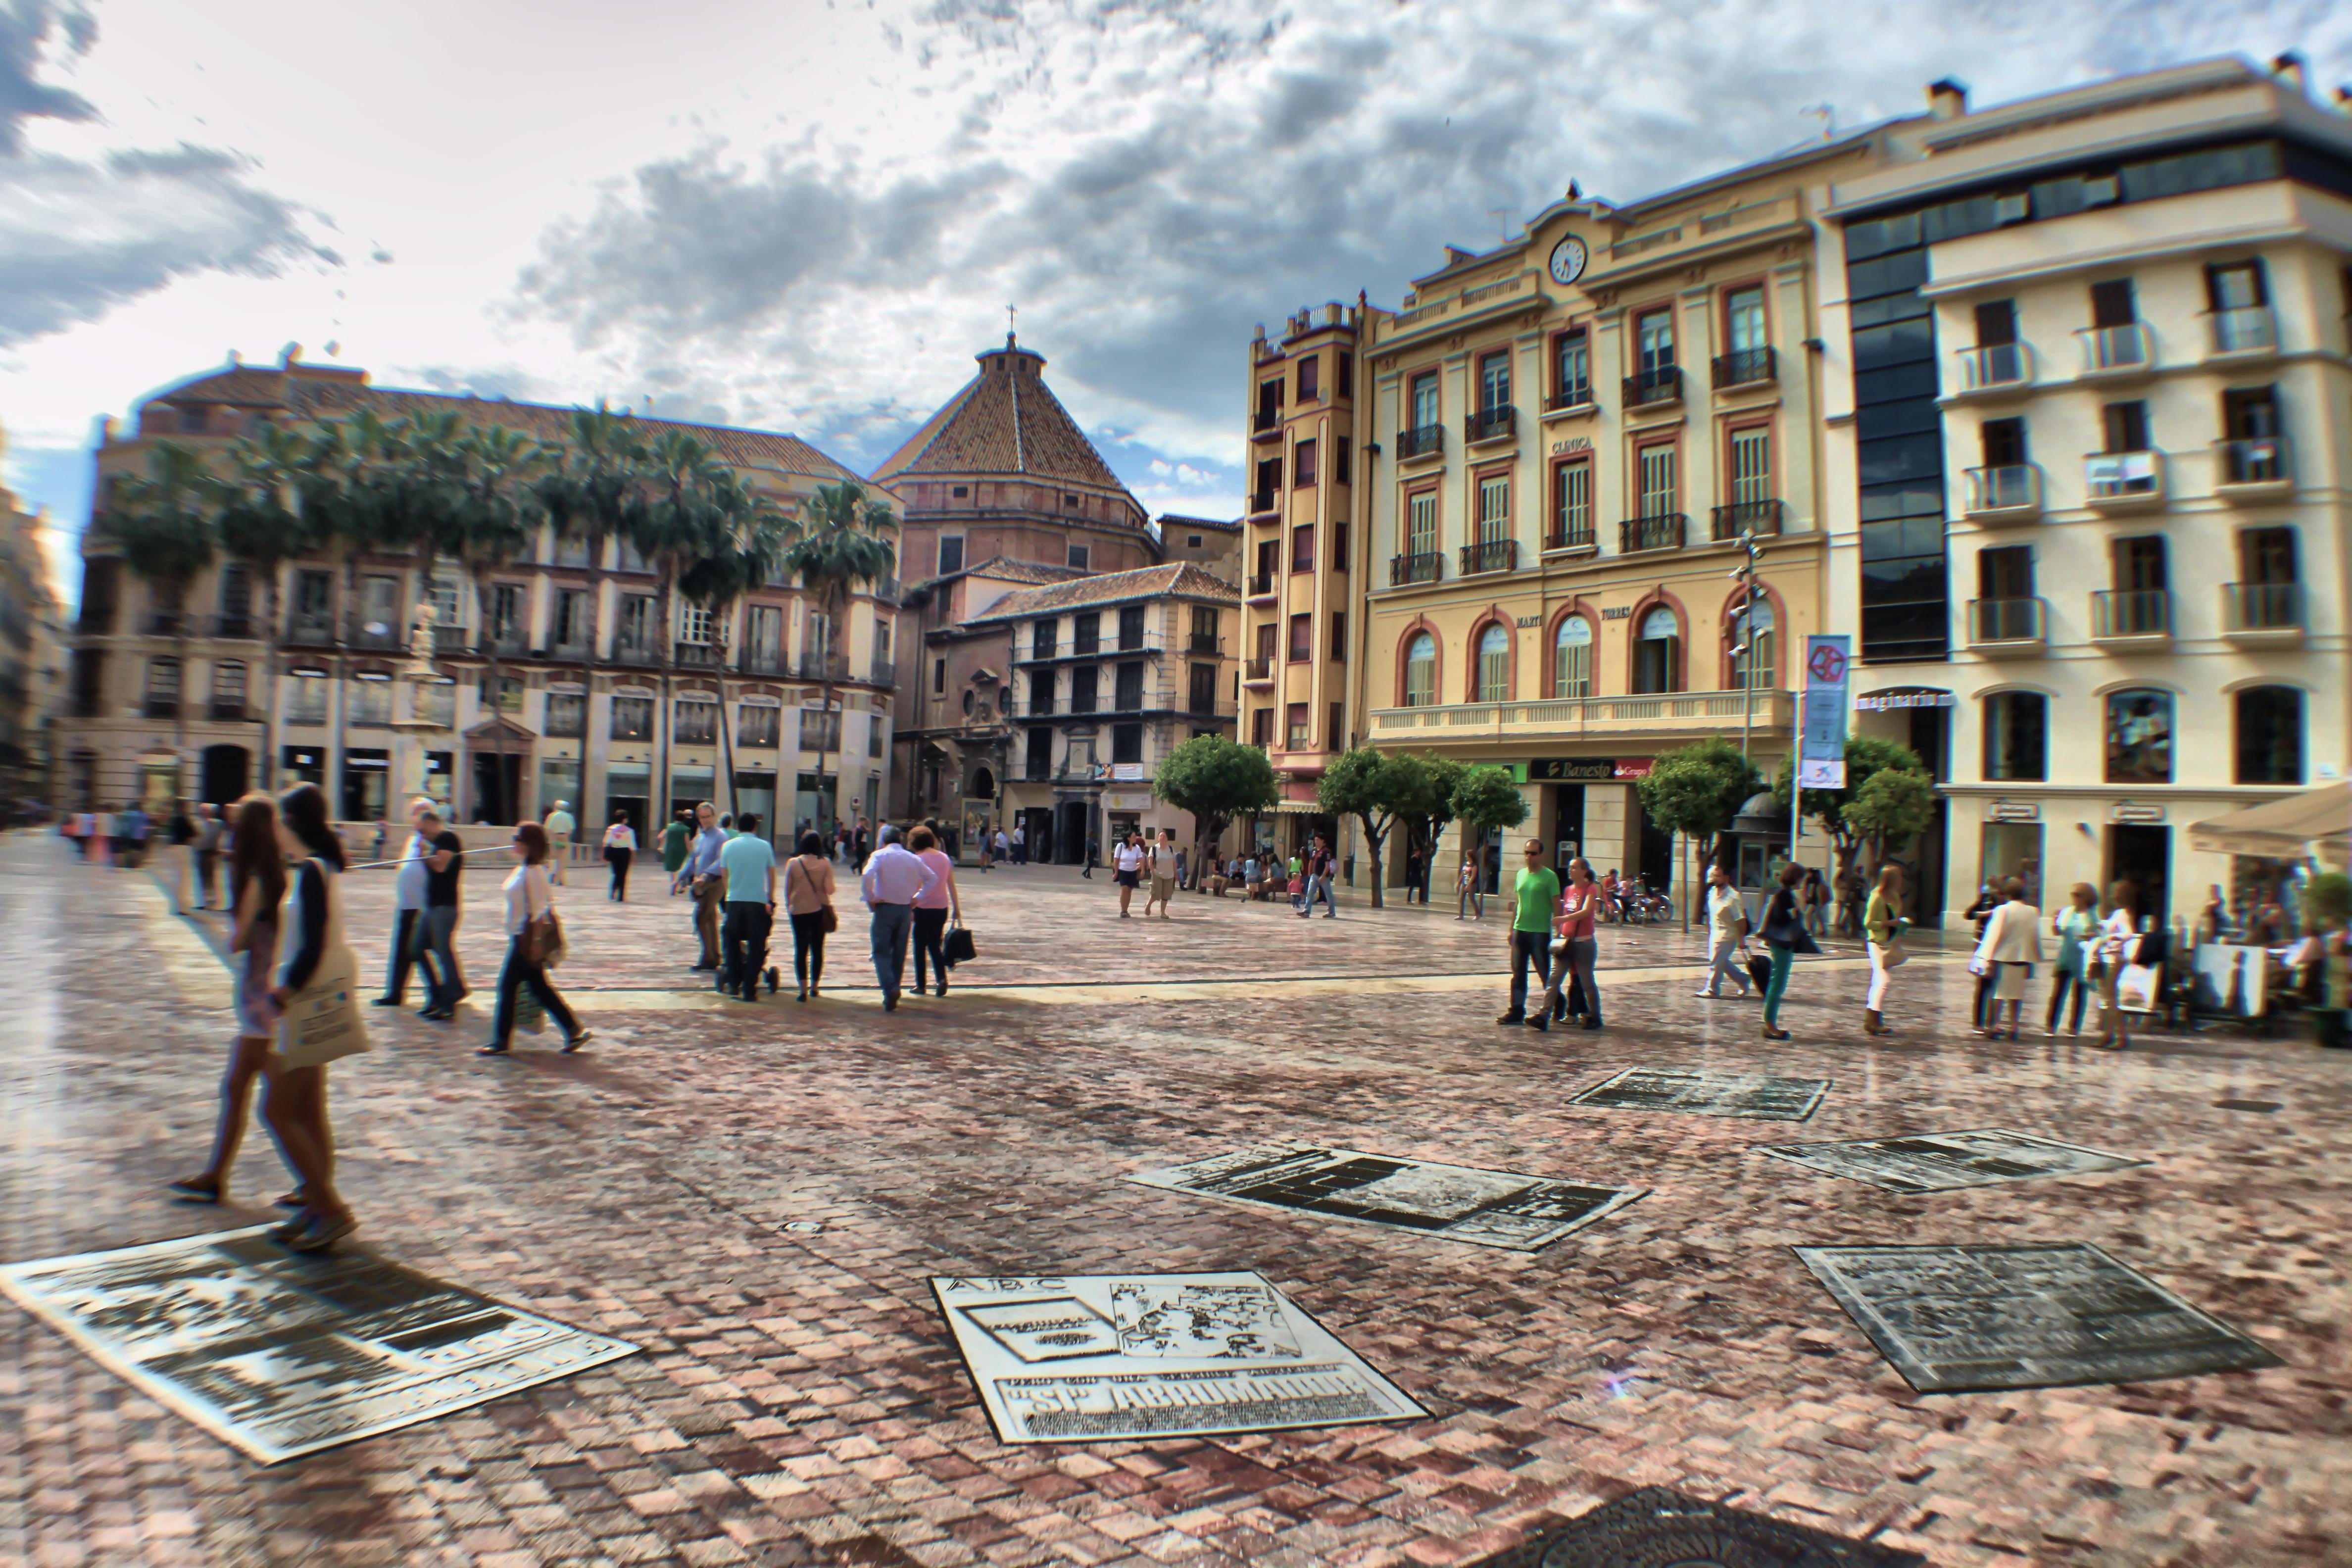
<point>226,774</point>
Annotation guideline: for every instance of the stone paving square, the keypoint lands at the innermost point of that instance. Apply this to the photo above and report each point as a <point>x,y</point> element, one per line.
<point>1963,1319</point>
<point>285,1354</point>
<point>1085,1359</point>
<point>1764,1096</point>
<point>1657,1528</point>
<point>1946,1161</point>
<point>1454,1202</point>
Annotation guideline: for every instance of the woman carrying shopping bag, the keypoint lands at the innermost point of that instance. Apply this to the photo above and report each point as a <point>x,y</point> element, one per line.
<point>1881,930</point>
<point>1784,937</point>
<point>2075,927</point>
<point>534,943</point>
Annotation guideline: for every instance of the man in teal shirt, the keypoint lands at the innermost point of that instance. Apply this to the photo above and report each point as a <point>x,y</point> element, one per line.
<point>1538,890</point>
<point>748,862</point>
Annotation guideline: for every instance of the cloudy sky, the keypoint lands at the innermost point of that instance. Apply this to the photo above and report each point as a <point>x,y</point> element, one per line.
<point>807,215</point>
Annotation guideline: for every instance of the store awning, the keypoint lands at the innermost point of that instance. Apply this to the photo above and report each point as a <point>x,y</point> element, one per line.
<point>2281,829</point>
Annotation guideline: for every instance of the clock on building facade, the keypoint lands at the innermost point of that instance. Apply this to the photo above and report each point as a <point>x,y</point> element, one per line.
<point>1568,259</point>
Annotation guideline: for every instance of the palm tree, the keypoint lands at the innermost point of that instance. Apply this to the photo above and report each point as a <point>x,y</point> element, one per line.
<point>758,537</point>
<point>485,513</point>
<point>263,527</point>
<point>593,489</point>
<point>689,517</point>
<point>837,544</point>
<point>163,523</point>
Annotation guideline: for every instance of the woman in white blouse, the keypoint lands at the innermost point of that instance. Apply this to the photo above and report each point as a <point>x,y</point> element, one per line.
<point>2119,934</point>
<point>529,899</point>
<point>620,848</point>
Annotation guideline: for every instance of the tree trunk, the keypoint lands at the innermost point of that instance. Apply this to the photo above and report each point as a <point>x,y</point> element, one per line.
<point>1374,838</point>
<point>665,730</point>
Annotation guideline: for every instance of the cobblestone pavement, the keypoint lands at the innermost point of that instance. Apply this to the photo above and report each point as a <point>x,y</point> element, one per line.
<point>798,1400</point>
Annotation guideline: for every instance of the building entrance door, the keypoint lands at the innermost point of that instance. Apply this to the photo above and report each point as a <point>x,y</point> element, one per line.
<point>1071,834</point>
<point>228,774</point>
<point>498,786</point>
<point>2142,856</point>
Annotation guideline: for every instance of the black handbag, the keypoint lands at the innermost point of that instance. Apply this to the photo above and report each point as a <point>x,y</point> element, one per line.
<point>958,948</point>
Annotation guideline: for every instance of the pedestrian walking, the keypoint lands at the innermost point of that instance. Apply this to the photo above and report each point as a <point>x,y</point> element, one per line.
<point>445,867</point>
<point>2011,947</point>
<point>1020,843</point>
<point>181,832</point>
<point>1575,951</point>
<point>1988,900</point>
<point>2119,934</point>
<point>2075,927</point>
<point>703,877</point>
<point>210,830</point>
<point>1094,854</point>
<point>987,849</point>
<point>1882,928</point>
<point>934,908</point>
<point>1536,894</point>
<point>1784,937</point>
<point>408,906</point>
<point>1817,903</point>
<point>1319,872</point>
<point>1726,932</point>
<point>1161,866</point>
<point>131,830</point>
<point>294,1103</point>
<point>1470,890</point>
<point>748,864</point>
<point>677,845</point>
<point>862,842</point>
<point>1127,870</point>
<point>620,848</point>
<point>808,900</point>
<point>561,826</point>
<point>101,834</point>
<point>534,939</point>
<point>894,880</point>
<point>257,890</point>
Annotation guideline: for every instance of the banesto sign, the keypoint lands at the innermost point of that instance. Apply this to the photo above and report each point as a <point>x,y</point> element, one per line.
<point>1586,769</point>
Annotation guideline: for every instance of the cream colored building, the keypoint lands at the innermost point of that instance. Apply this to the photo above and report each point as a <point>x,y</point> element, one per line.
<point>2105,334</point>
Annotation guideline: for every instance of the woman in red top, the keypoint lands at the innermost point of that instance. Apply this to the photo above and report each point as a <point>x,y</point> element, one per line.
<point>1577,950</point>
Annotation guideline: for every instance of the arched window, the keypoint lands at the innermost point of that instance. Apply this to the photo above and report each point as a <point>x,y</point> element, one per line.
<point>2139,737</point>
<point>1494,664</point>
<point>2270,735</point>
<point>1750,640</point>
<point>1654,650</point>
<point>1571,658</point>
<point>2017,736</point>
<point>1421,671</point>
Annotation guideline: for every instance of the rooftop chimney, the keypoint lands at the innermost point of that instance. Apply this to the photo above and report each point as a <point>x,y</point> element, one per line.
<point>2288,68</point>
<point>1947,99</point>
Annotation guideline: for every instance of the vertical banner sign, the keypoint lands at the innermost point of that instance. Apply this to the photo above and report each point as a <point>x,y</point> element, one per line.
<point>1820,758</point>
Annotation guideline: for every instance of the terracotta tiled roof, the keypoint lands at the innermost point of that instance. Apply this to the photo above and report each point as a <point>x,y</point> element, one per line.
<point>1110,588</point>
<point>1006,420</point>
<point>325,393</point>
<point>1178,519</point>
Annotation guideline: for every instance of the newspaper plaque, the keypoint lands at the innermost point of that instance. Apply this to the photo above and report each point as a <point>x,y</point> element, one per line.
<point>281,1354</point>
<point>1692,1091</point>
<point>1941,1161</point>
<point>1112,1357</point>
<point>1457,1202</point>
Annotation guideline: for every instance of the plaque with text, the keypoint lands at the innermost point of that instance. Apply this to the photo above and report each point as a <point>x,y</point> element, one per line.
<point>1700,1091</point>
<point>1941,1161</point>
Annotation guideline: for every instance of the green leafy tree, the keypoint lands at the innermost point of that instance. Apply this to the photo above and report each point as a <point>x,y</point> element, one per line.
<point>593,491</point>
<point>754,554</point>
<point>475,505</point>
<point>163,523</point>
<point>1485,799</point>
<point>2327,901</point>
<point>1697,789</point>
<point>1216,780</point>
<point>843,538</point>
<point>262,527</point>
<point>1897,803</point>
<point>1435,811</point>
<point>1866,756</point>
<point>1378,789</point>
<point>689,496</point>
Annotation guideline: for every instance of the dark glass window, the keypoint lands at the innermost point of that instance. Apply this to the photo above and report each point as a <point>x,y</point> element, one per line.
<point>2139,737</point>
<point>2125,425</point>
<point>2270,735</point>
<point>2017,736</point>
<point>1130,628</point>
<point>1129,693</point>
<point>1127,743</point>
<point>1082,688</point>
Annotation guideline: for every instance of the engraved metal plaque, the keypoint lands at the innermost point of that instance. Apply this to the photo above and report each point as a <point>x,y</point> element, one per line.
<point>1457,1202</point>
<point>1940,1162</point>
<point>1655,1528</point>
<point>1956,1319</point>
<point>1698,1091</point>
<point>282,1353</point>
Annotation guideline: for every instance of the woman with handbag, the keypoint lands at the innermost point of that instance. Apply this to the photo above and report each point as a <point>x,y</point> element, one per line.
<point>932,909</point>
<point>1882,929</point>
<point>295,1103</point>
<point>808,899</point>
<point>2073,928</point>
<point>2119,934</point>
<point>1784,937</point>
<point>620,848</point>
<point>534,940</point>
<point>1576,953</point>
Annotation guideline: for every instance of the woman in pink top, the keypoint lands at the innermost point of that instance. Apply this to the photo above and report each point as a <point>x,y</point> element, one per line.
<point>1577,950</point>
<point>807,882</point>
<point>931,910</point>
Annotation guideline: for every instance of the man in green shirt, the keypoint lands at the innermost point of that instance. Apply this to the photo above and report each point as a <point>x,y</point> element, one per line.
<point>1538,890</point>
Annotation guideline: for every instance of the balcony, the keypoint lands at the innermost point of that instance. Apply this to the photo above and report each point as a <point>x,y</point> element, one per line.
<point>453,639</point>
<point>699,654</point>
<point>2124,350</point>
<point>2131,616</point>
<point>2244,332</point>
<point>1654,387</point>
<point>1421,441</point>
<point>1257,671</point>
<point>642,655</point>
<point>1261,503</point>
<point>1744,367</point>
<point>1662,720</point>
<point>762,661</point>
<point>1574,398</point>
<point>570,652</point>
<point>221,711</point>
<point>2124,482</point>
<point>2008,628</point>
<point>1263,585</point>
<point>2253,469</point>
<point>512,643</point>
<point>1404,570</point>
<point>1266,422</point>
<point>889,590</point>
<point>168,624</point>
<point>1760,518</point>
<point>1994,368</point>
<point>2262,611</point>
<point>1580,536</point>
<point>817,666</point>
<point>1491,425</point>
<point>375,636</point>
<point>237,628</point>
<point>310,631</point>
<point>1491,555</point>
<point>881,672</point>
<point>2010,492</point>
<point>160,707</point>
<point>1200,642</point>
<point>1665,531</point>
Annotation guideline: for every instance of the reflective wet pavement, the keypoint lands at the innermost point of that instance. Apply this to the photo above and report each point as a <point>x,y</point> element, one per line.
<point>801,1401</point>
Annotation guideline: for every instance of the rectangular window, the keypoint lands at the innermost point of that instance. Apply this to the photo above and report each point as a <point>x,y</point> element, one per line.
<point>1203,688</point>
<point>2266,556</point>
<point>1083,680</point>
<point>758,726</point>
<point>571,618</point>
<point>371,702</point>
<point>1130,628</point>
<point>1127,743</point>
<point>2250,413</point>
<point>1041,693</point>
<point>1302,548</point>
<point>1660,488</point>
<point>950,553</point>
<point>1493,509</point>
<point>1336,737</point>
<point>2112,304</point>
<point>2139,564</point>
<point>637,612</point>
<point>938,676</point>
<point>1571,520</point>
<point>1269,479</point>
<point>1087,633</point>
<point>1338,547</point>
<point>1079,556</point>
<point>1743,319</point>
<point>1423,400</point>
<point>1302,463</point>
<point>1338,637</point>
<point>1341,450</point>
<point>1421,523</point>
<point>1996,323</point>
<point>1262,727</point>
<point>313,593</point>
<point>1571,369</point>
<point>633,718</point>
<point>1343,384</point>
<point>697,723</point>
<point>2003,443</point>
<point>1751,465</point>
<point>2005,573</point>
<point>1302,639</point>
<point>2238,286</point>
<point>507,694</point>
<point>1044,637</point>
<point>567,715</point>
<point>1266,634</point>
<point>1294,730</point>
<point>2017,737</point>
<point>1495,381</point>
<point>1269,402</point>
<point>1310,379</point>
<point>1040,754</point>
<point>1654,340</point>
<point>694,625</point>
<point>2126,425</point>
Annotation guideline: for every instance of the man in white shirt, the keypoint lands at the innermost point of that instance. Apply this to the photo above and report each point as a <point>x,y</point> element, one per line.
<point>893,879</point>
<point>1162,867</point>
<point>1726,928</point>
<point>408,902</point>
<point>1019,843</point>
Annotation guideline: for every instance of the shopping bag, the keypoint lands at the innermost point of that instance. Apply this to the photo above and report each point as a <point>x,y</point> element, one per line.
<point>543,941</point>
<point>322,1021</point>
<point>1760,970</point>
<point>2135,988</point>
<point>529,1017</point>
<point>1894,955</point>
<point>959,948</point>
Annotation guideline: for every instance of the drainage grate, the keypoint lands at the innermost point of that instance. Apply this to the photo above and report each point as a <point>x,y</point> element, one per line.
<point>1655,1528</point>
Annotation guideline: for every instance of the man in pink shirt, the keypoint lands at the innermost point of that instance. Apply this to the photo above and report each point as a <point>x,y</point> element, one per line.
<point>894,881</point>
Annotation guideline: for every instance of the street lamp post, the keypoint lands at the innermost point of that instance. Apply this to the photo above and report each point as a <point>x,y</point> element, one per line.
<point>1745,651</point>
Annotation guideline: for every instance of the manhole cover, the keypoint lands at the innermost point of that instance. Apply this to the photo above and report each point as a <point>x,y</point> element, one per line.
<point>1956,1319</point>
<point>1694,1091</point>
<point>1655,1528</point>
<point>2264,1105</point>
<point>1940,1162</point>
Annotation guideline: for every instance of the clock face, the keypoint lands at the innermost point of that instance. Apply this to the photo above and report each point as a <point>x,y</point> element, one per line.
<point>1568,261</point>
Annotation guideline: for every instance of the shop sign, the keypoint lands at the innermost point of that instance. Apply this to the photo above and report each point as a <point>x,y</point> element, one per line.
<point>1631,768</point>
<point>1617,612</point>
<point>1820,755</point>
<point>1126,771</point>
<point>2013,811</point>
<point>1570,770</point>
<point>1572,444</point>
<point>1891,701</point>
<point>1126,800</point>
<point>2130,811</point>
<point>1526,621</point>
